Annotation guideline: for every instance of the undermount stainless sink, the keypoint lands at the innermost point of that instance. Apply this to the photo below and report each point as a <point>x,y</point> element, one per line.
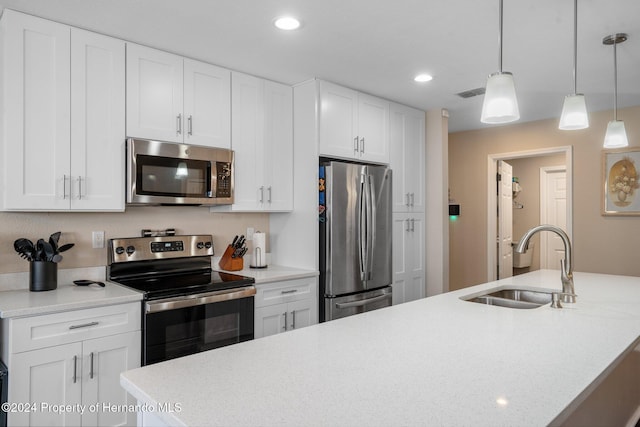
<point>513,298</point>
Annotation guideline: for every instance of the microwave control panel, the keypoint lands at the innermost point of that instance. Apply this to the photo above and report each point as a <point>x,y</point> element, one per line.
<point>223,175</point>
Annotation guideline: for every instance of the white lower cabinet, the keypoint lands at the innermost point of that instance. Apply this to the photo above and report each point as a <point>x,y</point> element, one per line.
<point>80,374</point>
<point>284,306</point>
<point>408,257</point>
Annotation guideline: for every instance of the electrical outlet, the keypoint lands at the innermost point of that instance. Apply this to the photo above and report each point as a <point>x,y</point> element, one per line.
<point>97,239</point>
<point>250,231</point>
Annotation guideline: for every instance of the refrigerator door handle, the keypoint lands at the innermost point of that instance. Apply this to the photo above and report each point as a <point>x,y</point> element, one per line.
<point>362,302</point>
<point>363,231</point>
<point>371,239</point>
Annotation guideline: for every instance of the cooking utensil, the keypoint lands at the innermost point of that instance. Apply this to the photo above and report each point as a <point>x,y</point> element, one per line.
<point>65,247</point>
<point>48,251</point>
<point>54,239</point>
<point>39,250</point>
<point>25,248</point>
<point>83,282</point>
<point>235,240</point>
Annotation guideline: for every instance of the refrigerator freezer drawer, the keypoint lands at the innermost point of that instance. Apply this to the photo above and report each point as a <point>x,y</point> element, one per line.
<point>338,307</point>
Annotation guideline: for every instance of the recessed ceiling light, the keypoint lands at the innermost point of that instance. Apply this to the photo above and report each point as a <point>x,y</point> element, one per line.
<point>287,23</point>
<point>421,78</point>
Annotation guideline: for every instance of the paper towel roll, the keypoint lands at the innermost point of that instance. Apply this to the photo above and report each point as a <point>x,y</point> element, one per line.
<point>259,250</point>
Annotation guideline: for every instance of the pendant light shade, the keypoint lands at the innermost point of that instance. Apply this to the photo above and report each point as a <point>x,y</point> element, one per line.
<point>574,113</point>
<point>574,110</point>
<point>500,104</point>
<point>616,136</point>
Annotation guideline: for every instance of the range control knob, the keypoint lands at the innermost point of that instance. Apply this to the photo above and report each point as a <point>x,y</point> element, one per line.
<point>130,250</point>
<point>119,250</point>
<point>208,245</point>
<point>200,245</point>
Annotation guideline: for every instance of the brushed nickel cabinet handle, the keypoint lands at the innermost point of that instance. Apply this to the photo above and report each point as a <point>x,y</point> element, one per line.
<point>75,369</point>
<point>91,368</point>
<point>84,325</point>
<point>179,123</point>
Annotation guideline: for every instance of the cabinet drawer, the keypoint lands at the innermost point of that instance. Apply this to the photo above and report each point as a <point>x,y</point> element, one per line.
<point>30,333</point>
<point>287,291</point>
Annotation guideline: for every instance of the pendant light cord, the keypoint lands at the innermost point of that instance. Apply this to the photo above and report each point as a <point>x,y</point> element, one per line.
<point>500,39</point>
<point>615,81</point>
<point>575,47</point>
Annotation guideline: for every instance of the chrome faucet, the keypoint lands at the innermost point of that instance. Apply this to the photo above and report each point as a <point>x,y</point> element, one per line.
<point>566,264</point>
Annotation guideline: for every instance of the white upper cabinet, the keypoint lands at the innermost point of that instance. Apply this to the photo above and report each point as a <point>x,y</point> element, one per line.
<point>262,128</point>
<point>154,94</point>
<point>353,125</point>
<point>407,158</point>
<point>97,121</point>
<point>207,104</point>
<point>175,99</point>
<point>63,117</point>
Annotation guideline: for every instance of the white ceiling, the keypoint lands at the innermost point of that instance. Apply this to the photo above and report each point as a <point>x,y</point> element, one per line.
<point>377,46</point>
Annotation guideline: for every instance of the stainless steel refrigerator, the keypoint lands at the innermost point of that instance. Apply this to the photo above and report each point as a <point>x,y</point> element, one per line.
<point>355,238</point>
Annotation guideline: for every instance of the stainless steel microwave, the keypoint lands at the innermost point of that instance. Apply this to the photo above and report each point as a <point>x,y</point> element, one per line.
<point>166,173</point>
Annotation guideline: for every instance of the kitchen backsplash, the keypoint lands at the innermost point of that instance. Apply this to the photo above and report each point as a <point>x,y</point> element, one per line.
<point>77,227</point>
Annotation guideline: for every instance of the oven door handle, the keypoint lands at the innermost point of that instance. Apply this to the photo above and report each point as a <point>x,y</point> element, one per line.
<point>199,299</point>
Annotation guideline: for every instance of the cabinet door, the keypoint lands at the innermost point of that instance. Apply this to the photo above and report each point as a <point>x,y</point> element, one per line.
<point>338,121</point>
<point>103,361</point>
<point>401,233</point>
<point>407,158</point>
<point>373,128</point>
<point>207,104</point>
<point>302,313</point>
<point>415,158</point>
<point>97,121</point>
<point>416,274</point>
<point>278,146</point>
<point>247,129</point>
<point>270,320</point>
<point>51,376</point>
<point>154,94</point>
<point>36,113</point>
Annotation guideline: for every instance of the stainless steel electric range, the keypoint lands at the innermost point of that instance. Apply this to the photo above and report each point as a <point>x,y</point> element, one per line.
<point>187,307</point>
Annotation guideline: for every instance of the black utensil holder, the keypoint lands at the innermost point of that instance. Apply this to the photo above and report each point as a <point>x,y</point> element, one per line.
<point>43,276</point>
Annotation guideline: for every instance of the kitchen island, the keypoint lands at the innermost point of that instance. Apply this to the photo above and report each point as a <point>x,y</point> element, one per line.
<point>435,361</point>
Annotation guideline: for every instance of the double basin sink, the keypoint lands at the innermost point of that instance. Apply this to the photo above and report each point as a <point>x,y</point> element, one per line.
<point>512,298</point>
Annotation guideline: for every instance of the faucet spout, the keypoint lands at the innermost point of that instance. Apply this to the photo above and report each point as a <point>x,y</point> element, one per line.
<point>566,264</point>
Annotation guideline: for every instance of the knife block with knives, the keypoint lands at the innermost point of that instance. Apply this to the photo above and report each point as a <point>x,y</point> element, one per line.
<point>232,258</point>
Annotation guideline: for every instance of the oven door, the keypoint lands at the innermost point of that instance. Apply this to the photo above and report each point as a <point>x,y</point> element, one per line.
<point>177,327</point>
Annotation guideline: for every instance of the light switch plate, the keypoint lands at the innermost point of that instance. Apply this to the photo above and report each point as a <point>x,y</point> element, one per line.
<point>250,231</point>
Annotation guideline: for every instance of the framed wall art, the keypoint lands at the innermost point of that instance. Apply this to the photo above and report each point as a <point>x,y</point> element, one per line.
<point>621,184</point>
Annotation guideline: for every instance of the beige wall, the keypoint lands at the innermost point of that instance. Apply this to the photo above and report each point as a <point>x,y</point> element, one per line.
<point>601,244</point>
<point>77,227</point>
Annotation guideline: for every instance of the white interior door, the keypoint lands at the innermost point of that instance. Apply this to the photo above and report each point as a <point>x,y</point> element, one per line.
<point>505,220</point>
<point>553,210</point>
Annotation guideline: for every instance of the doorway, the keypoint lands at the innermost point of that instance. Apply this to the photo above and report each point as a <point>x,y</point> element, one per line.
<point>527,206</point>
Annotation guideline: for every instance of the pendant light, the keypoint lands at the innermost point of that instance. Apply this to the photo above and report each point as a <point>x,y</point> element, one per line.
<point>574,110</point>
<point>616,135</point>
<point>500,104</point>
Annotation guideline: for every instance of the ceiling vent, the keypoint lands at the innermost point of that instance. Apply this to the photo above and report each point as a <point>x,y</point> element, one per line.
<point>471,93</point>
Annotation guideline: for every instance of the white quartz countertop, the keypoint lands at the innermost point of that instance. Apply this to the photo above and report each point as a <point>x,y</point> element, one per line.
<point>66,296</point>
<point>435,361</point>
<point>273,273</point>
